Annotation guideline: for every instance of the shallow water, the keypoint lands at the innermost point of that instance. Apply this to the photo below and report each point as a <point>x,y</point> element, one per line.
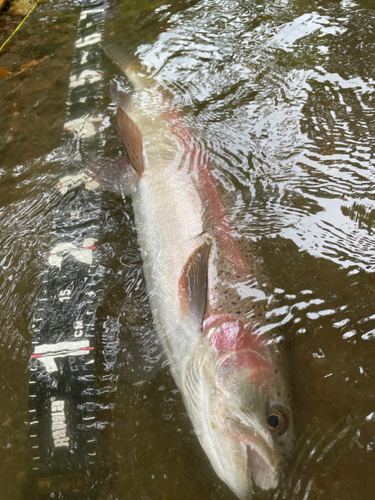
<point>282,96</point>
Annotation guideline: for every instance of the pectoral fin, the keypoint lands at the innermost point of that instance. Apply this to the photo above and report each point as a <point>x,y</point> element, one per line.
<point>131,138</point>
<point>193,284</point>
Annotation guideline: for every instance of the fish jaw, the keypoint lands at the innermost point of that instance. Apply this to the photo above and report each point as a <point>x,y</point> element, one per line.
<point>229,390</point>
<point>262,461</point>
<point>205,408</point>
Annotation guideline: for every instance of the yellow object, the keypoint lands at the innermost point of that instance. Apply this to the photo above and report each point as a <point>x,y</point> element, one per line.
<point>21,23</point>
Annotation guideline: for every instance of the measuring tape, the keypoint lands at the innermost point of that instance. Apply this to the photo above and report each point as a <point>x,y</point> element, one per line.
<point>62,380</point>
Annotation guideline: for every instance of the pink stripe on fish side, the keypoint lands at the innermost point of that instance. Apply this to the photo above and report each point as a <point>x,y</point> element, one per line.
<point>209,187</point>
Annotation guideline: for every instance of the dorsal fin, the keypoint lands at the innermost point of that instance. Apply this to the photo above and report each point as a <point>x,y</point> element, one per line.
<point>131,138</point>
<point>193,284</point>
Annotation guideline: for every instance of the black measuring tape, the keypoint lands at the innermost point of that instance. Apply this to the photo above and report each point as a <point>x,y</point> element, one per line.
<point>62,380</point>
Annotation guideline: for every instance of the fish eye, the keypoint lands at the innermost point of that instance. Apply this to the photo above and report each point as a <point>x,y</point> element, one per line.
<point>275,421</point>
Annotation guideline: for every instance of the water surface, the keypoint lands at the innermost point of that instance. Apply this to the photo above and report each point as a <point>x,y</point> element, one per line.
<point>282,96</point>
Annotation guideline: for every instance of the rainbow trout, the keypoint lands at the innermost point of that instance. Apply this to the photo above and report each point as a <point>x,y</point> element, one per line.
<point>206,308</point>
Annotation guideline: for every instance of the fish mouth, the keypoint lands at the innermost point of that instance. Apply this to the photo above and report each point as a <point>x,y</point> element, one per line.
<point>262,459</point>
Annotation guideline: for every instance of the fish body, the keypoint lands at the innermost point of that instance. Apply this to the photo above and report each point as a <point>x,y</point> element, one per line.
<point>205,306</point>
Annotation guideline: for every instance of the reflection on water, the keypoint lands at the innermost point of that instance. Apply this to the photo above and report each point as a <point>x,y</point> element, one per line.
<point>282,95</point>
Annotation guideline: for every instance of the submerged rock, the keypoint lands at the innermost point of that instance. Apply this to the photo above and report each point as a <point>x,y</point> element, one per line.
<point>17,7</point>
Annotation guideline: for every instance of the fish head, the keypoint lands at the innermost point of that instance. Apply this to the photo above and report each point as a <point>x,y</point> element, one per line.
<point>248,427</point>
<point>253,415</point>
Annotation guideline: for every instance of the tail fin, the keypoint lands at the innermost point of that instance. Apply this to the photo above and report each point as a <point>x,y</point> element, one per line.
<point>119,94</point>
<point>133,70</point>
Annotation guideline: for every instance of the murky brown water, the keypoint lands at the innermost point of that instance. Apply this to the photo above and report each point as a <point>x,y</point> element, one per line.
<point>282,94</point>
